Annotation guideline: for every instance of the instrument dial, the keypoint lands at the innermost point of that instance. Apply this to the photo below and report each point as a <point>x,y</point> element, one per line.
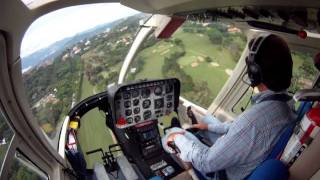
<point>127,104</point>
<point>135,93</point>
<point>129,120</point>
<point>169,88</point>
<point>137,119</point>
<point>145,93</point>
<point>158,90</point>
<point>158,103</point>
<point>136,102</point>
<point>146,104</point>
<point>128,112</point>
<point>136,110</point>
<point>147,114</point>
<point>126,95</point>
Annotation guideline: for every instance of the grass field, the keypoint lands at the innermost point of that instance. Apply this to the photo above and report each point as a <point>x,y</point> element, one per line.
<point>93,133</point>
<point>197,47</point>
<point>155,58</point>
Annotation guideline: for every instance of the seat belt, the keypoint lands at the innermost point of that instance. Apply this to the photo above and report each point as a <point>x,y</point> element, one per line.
<point>222,174</point>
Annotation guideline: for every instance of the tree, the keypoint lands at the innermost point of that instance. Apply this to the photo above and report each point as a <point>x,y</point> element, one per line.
<point>200,94</point>
<point>235,51</point>
<point>177,42</point>
<point>208,59</point>
<point>215,36</point>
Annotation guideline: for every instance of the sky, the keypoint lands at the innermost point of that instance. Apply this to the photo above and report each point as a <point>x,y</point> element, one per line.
<point>69,21</point>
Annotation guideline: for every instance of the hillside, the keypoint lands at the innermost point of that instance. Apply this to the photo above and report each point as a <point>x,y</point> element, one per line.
<point>58,47</point>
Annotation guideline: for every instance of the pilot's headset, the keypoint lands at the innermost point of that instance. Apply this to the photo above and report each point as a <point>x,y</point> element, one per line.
<point>253,69</point>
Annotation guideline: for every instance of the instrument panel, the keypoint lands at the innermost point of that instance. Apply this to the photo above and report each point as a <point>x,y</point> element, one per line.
<point>149,100</point>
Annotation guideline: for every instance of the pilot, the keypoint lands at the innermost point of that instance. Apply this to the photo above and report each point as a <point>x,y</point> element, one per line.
<point>246,142</point>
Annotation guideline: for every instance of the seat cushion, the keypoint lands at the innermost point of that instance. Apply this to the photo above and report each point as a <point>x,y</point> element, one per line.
<point>271,169</point>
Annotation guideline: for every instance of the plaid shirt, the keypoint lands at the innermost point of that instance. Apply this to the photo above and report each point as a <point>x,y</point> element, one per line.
<point>245,143</point>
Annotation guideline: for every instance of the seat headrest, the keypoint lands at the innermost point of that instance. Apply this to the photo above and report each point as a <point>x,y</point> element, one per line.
<point>307,95</point>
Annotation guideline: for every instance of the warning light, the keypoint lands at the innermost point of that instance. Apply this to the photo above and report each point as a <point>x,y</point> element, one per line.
<point>121,121</point>
<point>302,34</point>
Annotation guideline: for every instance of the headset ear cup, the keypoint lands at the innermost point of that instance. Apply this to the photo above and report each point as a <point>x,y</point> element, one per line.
<point>254,74</point>
<point>253,71</point>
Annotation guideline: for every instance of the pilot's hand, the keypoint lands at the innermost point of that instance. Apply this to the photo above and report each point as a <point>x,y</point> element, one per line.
<point>201,126</point>
<point>172,136</point>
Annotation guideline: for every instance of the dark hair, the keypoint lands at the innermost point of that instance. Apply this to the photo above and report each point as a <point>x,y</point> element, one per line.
<point>275,61</point>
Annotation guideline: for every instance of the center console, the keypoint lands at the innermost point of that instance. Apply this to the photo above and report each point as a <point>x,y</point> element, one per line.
<point>135,111</point>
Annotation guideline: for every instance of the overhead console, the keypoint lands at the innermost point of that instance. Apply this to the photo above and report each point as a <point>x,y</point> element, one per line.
<point>144,101</point>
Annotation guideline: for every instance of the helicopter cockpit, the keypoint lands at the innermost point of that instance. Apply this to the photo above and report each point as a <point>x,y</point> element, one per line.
<point>89,91</point>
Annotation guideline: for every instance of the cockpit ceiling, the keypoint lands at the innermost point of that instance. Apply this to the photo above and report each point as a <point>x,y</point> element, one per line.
<point>175,6</point>
<point>287,20</point>
<point>287,15</point>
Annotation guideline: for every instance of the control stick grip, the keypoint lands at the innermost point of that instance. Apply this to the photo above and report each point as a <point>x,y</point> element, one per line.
<point>191,115</point>
<point>172,145</point>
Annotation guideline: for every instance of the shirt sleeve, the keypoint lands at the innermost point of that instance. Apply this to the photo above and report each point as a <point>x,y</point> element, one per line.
<point>215,125</point>
<point>229,150</point>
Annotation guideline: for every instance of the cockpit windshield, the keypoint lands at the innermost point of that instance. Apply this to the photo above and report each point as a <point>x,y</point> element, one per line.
<point>71,54</point>
<point>201,54</point>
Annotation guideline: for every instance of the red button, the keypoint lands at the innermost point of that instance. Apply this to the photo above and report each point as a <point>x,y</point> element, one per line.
<point>121,121</point>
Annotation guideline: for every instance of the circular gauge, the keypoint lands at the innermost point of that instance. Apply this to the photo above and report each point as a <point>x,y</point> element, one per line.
<point>136,110</point>
<point>147,115</point>
<point>135,93</point>
<point>145,93</point>
<point>128,112</point>
<point>158,90</point>
<point>146,103</point>
<point>136,102</point>
<point>169,88</point>
<point>137,119</point>
<point>126,95</point>
<point>129,120</point>
<point>127,104</point>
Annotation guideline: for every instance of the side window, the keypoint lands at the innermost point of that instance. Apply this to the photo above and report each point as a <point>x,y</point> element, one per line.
<point>6,135</point>
<point>303,75</point>
<point>23,168</point>
<point>201,55</point>
<point>64,63</point>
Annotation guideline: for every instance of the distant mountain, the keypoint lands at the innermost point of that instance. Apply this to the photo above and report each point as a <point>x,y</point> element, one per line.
<point>58,47</point>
